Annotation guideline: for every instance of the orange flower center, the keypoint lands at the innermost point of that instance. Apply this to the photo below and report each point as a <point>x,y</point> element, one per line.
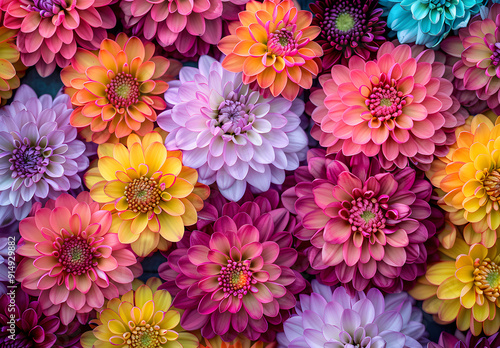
<point>144,336</point>
<point>76,256</point>
<point>236,278</point>
<point>492,185</point>
<point>282,42</point>
<point>143,194</point>
<point>487,279</point>
<point>123,90</point>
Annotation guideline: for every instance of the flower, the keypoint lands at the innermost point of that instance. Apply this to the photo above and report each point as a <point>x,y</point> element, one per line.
<point>333,318</point>
<point>477,54</point>
<point>116,91</point>
<point>468,178</point>
<point>463,285</point>
<point>71,260</point>
<point>230,133</point>
<point>428,22</point>
<point>4,262</point>
<point>32,328</point>
<point>151,195</point>
<point>240,265</point>
<point>348,27</point>
<point>143,318</point>
<point>273,46</point>
<point>447,340</point>
<point>397,107</point>
<point>240,342</point>
<point>367,227</point>
<point>39,153</point>
<point>12,68</point>
<point>51,30</point>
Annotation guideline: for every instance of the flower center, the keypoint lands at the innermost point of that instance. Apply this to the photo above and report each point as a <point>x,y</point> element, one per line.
<point>487,279</point>
<point>366,216</point>
<point>47,8</point>
<point>439,5</point>
<point>492,185</point>
<point>385,101</point>
<point>144,336</point>
<point>233,116</point>
<point>282,42</point>
<point>143,194</point>
<point>76,256</point>
<point>345,22</point>
<point>236,278</point>
<point>27,161</point>
<point>123,90</point>
<point>495,57</point>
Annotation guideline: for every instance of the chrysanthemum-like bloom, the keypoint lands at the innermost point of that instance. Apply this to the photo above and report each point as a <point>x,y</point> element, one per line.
<point>397,107</point>
<point>11,67</point>
<point>477,54</point>
<point>348,27</point>
<point>447,340</point>
<point>151,194</point>
<point>273,46</point>
<point>428,22</point>
<point>116,90</point>
<point>51,30</point>
<point>235,276</point>
<point>32,328</point>
<point>71,260</point>
<point>328,318</point>
<point>230,133</point>
<point>469,180</point>
<point>39,153</point>
<point>367,227</point>
<point>142,318</point>
<point>463,286</point>
<point>240,342</point>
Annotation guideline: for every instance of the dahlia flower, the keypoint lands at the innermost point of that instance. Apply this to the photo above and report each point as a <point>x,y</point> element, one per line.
<point>428,22</point>
<point>367,227</point>
<point>71,260</point>
<point>464,285</point>
<point>39,153</point>
<point>51,30</point>
<point>235,276</point>
<point>447,340</point>
<point>240,342</point>
<point>116,90</point>
<point>11,68</point>
<point>151,195</point>
<point>348,27</point>
<point>4,263</point>
<point>469,188</point>
<point>333,318</point>
<point>477,54</point>
<point>230,133</point>
<point>396,107</point>
<point>273,46</point>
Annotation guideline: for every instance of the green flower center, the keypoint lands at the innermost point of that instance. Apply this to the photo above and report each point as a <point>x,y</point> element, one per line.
<point>123,90</point>
<point>142,194</point>
<point>367,215</point>
<point>344,22</point>
<point>385,102</point>
<point>76,256</point>
<point>144,337</point>
<point>487,279</point>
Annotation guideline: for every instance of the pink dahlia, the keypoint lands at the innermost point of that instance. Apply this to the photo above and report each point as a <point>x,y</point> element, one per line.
<point>51,30</point>
<point>397,107</point>
<point>367,227</point>
<point>476,53</point>
<point>71,260</point>
<point>234,277</point>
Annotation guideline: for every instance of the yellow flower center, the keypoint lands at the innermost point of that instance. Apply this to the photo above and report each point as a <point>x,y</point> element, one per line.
<point>487,279</point>
<point>492,185</point>
<point>123,90</point>
<point>142,194</point>
<point>144,336</point>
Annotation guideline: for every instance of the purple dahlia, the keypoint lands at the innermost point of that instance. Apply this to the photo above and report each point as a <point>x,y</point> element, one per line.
<point>333,318</point>
<point>40,156</point>
<point>348,27</point>
<point>447,340</point>
<point>367,227</point>
<point>235,276</point>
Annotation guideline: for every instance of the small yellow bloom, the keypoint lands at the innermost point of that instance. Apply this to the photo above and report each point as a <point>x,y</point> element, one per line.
<point>151,194</point>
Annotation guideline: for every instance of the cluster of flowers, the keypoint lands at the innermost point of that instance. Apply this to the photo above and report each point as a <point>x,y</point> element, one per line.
<point>305,176</point>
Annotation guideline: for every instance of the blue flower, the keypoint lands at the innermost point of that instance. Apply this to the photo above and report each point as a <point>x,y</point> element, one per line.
<point>428,22</point>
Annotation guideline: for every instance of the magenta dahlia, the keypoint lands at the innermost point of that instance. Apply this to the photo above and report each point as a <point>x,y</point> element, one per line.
<point>234,277</point>
<point>367,227</point>
<point>51,30</point>
<point>397,107</point>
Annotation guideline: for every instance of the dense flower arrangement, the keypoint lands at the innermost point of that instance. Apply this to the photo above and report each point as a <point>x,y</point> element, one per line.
<point>249,173</point>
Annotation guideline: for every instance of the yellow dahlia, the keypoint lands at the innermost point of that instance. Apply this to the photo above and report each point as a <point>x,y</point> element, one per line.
<point>469,179</point>
<point>11,68</point>
<point>463,286</point>
<point>151,194</point>
<point>142,318</point>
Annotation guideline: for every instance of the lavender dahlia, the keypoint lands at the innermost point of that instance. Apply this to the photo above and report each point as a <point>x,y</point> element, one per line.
<point>367,227</point>
<point>39,153</point>
<point>236,277</point>
<point>248,139</point>
<point>333,318</point>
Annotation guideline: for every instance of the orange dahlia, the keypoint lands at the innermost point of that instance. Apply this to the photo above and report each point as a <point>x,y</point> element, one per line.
<point>273,45</point>
<point>117,90</point>
<point>151,195</point>
<point>11,68</point>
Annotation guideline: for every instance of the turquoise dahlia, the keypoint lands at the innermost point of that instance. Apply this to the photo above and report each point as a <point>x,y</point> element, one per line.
<point>428,22</point>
